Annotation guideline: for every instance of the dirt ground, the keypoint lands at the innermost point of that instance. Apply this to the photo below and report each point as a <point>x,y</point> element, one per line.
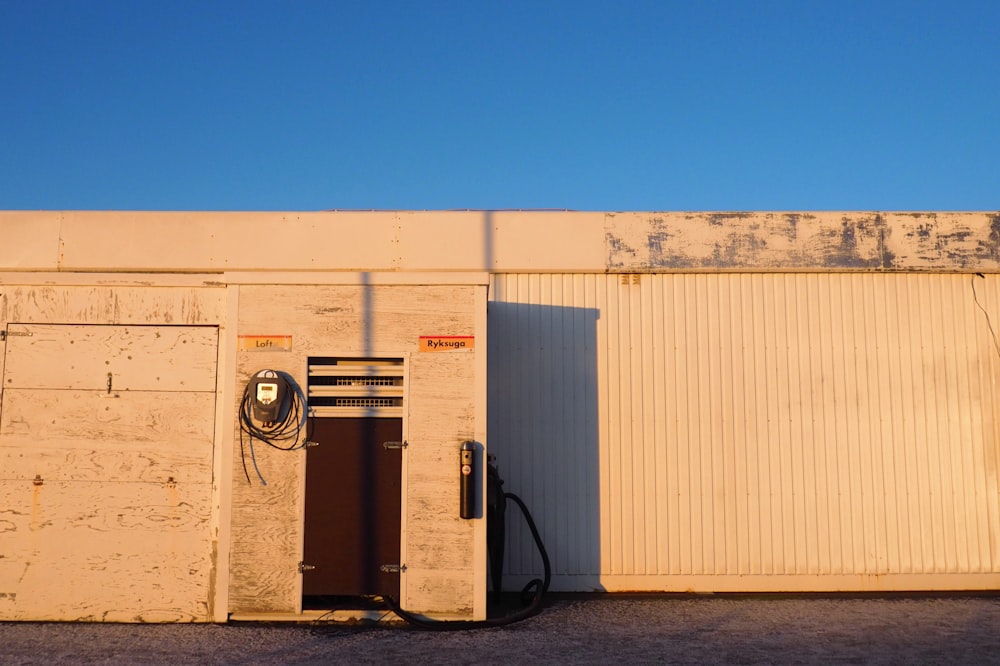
<point>952,629</point>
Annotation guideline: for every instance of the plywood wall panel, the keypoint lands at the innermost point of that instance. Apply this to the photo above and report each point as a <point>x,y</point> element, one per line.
<point>154,358</point>
<point>139,551</point>
<point>363,321</point>
<point>118,304</point>
<point>442,593</point>
<point>197,306</point>
<point>266,530</point>
<point>259,589</point>
<point>64,305</point>
<point>92,464</point>
<point>147,421</point>
<point>358,320</point>
<point>108,498</point>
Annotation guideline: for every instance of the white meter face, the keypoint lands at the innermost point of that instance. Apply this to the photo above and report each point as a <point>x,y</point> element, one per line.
<point>266,393</point>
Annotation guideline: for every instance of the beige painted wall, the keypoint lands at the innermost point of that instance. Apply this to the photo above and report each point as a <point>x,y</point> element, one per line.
<point>499,241</point>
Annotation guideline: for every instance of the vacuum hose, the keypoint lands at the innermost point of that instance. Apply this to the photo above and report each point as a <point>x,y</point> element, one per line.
<point>531,595</point>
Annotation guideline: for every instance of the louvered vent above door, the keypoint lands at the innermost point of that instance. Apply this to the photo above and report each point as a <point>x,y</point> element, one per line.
<point>356,387</point>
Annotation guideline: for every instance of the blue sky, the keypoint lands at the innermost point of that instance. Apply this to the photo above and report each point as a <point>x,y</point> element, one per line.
<point>617,105</point>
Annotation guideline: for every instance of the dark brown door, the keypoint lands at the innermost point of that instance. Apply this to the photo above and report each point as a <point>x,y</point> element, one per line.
<point>352,521</point>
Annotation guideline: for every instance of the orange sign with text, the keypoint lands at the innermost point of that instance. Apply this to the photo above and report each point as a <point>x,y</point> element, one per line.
<point>265,343</point>
<point>447,343</point>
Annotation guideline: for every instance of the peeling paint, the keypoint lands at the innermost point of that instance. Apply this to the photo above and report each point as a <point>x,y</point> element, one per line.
<point>990,248</point>
<point>792,225</point>
<point>617,247</point>
<point>722,219</point>
<point>655,243</point>
<point>844,250</point>
<point>888,257</point>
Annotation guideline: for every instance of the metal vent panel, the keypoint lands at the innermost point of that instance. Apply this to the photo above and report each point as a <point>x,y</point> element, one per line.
<point>352,387</point>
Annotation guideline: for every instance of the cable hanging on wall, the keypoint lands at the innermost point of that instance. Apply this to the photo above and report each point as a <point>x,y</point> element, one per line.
<point>989,322</point>
<point>272,411</point>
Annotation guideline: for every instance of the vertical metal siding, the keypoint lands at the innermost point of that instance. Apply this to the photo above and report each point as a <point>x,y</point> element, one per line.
<point>742,424</point>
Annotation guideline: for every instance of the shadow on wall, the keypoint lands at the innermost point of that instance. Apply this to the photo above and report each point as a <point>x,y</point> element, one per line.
<point>543,430</point>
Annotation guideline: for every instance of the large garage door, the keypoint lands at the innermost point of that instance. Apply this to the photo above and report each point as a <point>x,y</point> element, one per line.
<point>106,448</point>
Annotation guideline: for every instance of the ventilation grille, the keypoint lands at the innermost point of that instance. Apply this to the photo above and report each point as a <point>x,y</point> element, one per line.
<point>366,381</point>
<point>365,402</point>
<point>356,387</point>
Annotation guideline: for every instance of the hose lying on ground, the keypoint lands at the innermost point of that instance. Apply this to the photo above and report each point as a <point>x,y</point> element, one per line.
<point>531,594</point>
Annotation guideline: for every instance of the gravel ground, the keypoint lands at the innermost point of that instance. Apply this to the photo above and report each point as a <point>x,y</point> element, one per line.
<point>571,629</point>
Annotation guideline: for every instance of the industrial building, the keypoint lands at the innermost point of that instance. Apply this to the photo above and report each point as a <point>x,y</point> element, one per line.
<point>703,402</point>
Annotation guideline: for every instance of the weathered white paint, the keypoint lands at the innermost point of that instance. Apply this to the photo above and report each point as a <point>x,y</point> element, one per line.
<point>104,551</point>
<point>750,432</point>
<point>134,358</point>
<point>101,304</point>
<point>501,241</point>
<point>83,435</point>
<point>124,476</point>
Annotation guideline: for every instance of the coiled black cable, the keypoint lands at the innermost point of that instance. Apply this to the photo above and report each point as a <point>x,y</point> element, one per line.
<point>536,588</point>
<point>282,435</point>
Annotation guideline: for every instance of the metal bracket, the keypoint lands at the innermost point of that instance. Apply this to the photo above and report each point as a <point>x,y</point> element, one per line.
<point>394,445</point>
<point>109,394</point>
<point>303,567</point>
<point>392,568</point>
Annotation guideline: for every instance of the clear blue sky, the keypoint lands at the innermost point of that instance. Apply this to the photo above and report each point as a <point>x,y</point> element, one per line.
<point>616,105</point>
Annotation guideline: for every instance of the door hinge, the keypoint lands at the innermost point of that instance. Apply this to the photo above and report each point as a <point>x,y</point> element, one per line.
<point>394,445</point>
<point>5,333</point>
<point>392,568</point>
<point>303,567</point>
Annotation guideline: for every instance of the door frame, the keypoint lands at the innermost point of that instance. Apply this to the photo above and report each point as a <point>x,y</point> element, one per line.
<point>377,354</point>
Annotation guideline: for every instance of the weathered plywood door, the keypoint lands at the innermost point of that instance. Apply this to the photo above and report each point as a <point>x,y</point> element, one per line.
<point>106,449</point>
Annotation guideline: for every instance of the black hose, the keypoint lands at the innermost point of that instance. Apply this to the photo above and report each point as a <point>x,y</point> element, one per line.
<point>533,592</point>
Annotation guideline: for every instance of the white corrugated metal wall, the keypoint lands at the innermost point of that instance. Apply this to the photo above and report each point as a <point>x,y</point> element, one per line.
<point>750,431</point>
